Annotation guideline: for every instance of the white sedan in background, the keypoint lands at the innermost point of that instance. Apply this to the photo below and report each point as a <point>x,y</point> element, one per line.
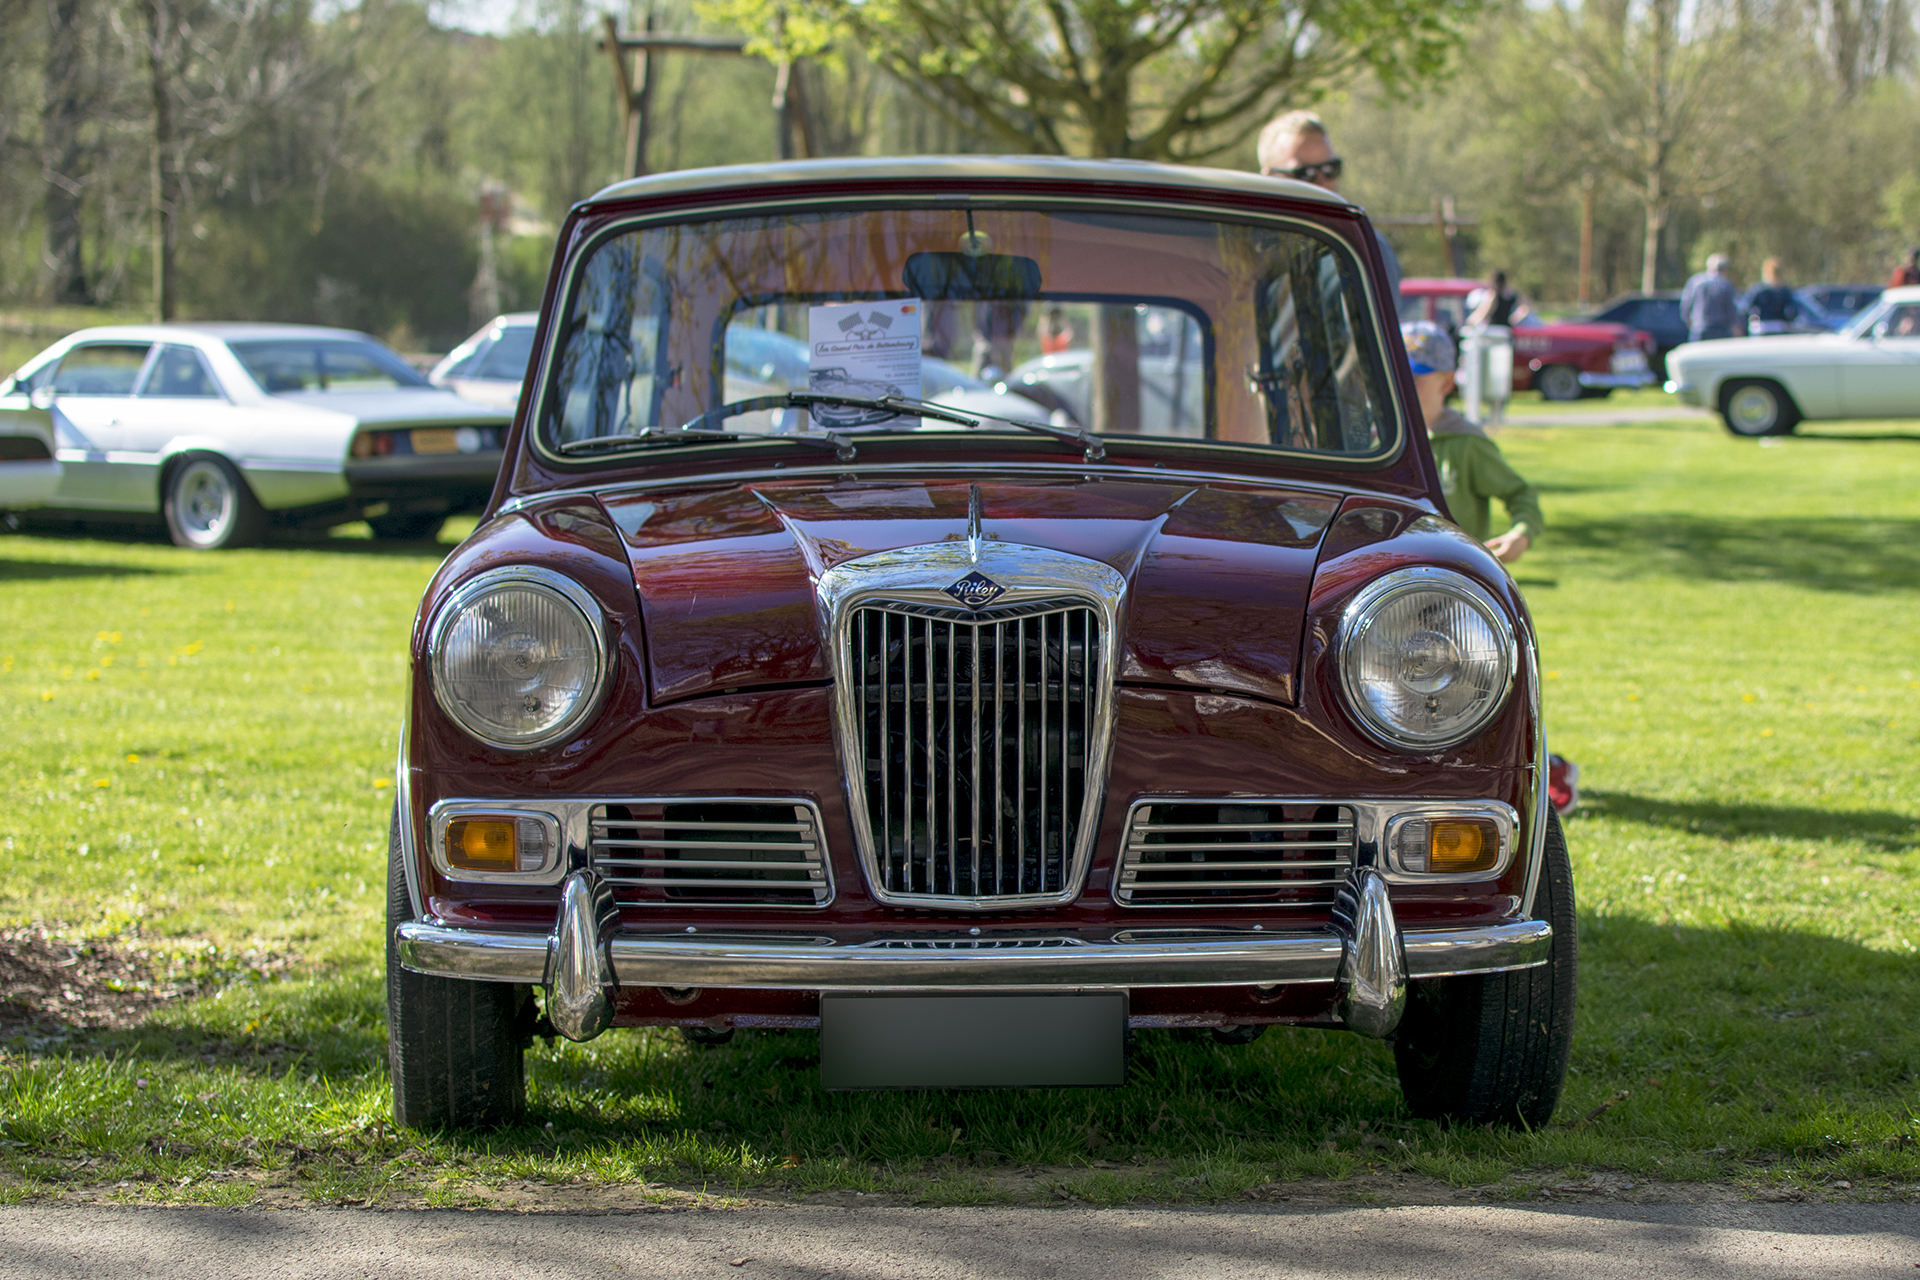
<point>1768,386</point>
<point>490,366</point>
<point>227,429</point>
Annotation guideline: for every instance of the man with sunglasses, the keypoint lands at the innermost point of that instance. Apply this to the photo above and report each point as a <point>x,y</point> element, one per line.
<point>1296,145</point>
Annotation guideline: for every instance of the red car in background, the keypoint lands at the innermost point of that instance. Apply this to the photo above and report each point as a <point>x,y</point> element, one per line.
<point>1561,360</point>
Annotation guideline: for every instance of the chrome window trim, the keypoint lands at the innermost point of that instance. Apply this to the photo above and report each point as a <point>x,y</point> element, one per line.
<point>1371,819</point>
<point>1396,408</point>
<point>445,812</point>
<point>568,590</point>
<point>1504,819</point>
<point>1369,598</point>
<point>916,577</point>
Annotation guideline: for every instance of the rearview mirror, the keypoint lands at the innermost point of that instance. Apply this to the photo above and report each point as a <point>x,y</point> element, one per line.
<point>966,277</point>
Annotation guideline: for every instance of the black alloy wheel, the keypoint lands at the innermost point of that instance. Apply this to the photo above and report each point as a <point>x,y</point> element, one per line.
<point>1492,1048</point>
<point>456,1048</point>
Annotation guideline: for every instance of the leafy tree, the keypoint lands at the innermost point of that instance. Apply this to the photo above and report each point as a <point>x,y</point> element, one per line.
<point>1183,80</point>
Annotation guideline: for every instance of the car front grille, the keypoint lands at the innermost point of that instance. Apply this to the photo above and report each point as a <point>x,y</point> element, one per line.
<point>698,852</point>
<point>1187,853</point>
<point>975,736</point>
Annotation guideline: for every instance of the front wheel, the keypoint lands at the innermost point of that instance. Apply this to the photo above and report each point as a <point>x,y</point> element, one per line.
<point>1758,408</point>
<point>456,1048</point>
<point>209,507</point>
<point>1492,1048</point>
<point>1558,382</point>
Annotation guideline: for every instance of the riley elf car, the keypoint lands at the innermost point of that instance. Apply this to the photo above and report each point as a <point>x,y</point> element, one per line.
<point>225,430</point>
<point>973,742</point>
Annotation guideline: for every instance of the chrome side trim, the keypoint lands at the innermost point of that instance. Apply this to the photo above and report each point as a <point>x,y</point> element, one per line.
<point>1034,578</point>
<point>809,964</point>
<point>580,982</point>
<point>1373,968</point>
<point>567,589</point>
<point>403,800</point>
<point>1530,655</point>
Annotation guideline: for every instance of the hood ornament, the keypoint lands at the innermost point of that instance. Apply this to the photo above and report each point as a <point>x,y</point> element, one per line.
<point>976,590</point>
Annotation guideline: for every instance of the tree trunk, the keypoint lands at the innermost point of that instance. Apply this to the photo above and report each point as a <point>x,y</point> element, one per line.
<point>1656,205</point>
<point>62,155</point>
<point>165,202</point>
<point>1116,370</point>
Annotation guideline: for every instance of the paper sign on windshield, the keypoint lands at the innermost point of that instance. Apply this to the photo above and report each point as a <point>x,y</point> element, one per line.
<point>862,349</point>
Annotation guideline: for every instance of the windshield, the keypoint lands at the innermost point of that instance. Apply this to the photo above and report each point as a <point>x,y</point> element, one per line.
<point>1122,324</point>
<point>333,365</point>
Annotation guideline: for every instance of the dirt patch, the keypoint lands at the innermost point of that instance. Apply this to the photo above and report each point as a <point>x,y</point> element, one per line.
<point>52,980</point>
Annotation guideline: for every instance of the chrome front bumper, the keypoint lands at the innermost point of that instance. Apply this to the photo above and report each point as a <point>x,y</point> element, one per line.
<point>1629,381</point>
<point>584,960</point>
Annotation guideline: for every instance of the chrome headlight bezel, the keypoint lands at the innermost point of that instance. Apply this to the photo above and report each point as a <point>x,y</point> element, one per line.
<point>563,590</point>
<point>1365,607</point>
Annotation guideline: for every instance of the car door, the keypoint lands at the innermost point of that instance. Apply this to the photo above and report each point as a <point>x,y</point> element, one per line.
<point>179,396</point>
<point>92,391</point>
<point>1880,376</point>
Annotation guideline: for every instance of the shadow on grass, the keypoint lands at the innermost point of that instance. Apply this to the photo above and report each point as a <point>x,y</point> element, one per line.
<point>1880,831</point>
<point>1867,556</point>
<point>47,570</point>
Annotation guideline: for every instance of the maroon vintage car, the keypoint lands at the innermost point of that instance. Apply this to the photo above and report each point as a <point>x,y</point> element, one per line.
<point>974,742</point>
<point>1561,359</point>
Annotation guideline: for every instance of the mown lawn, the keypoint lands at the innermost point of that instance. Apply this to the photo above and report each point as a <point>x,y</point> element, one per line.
<point>194,753</point>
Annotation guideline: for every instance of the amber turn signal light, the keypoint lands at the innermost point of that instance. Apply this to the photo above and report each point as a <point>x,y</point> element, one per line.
<point>496,844</point>
<point>1447,846</point>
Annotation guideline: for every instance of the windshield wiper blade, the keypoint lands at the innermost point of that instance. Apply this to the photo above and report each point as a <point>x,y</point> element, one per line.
<point>1092,448</point>
<point>841,446</point>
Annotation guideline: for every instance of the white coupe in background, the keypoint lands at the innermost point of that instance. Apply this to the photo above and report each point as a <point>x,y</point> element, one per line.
<point>227,429</point>
<point>1768,386</point>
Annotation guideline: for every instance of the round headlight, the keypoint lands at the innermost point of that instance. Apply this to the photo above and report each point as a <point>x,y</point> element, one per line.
<point>518,659</point>
<point>1426,658</point>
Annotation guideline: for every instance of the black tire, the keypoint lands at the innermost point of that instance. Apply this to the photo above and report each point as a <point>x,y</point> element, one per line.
<point>1559,382</point>
<point>1492,1048</point>
<point>209,506</point>
<point>408,527</point>
<point>1754,407</point>
<point>455,1048</point>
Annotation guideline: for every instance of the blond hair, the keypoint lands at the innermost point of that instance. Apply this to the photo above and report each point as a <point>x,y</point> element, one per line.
<point>1285,128</point>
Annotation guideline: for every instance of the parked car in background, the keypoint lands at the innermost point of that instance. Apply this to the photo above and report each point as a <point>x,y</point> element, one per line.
<point>1655,314</point>
<point>29,471</point>
<point>1767,387</point>
<point>973,743</point>
<point>489,366</point>
<point>1562,359</point>
<point>1172,376</point>
<point>1833,306</point>
<point>224,430</point>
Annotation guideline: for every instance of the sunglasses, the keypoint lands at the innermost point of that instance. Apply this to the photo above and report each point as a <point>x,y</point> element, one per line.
<point>1327,169</point>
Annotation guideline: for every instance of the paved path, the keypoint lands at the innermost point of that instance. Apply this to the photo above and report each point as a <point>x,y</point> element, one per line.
<point>1621,417</point>
<point>1591,1242</point>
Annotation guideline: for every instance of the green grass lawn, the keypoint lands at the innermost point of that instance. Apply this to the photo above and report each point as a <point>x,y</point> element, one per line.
<point>194,750</point>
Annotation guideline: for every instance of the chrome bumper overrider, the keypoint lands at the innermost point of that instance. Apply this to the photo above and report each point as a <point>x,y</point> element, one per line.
<point>585,960</point>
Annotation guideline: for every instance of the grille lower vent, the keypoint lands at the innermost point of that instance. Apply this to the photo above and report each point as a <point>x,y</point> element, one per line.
<point>1226,853</point>
<point>711,853</point>
<point>974,745</point>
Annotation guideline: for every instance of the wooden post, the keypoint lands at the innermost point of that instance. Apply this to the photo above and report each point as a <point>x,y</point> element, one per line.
<point>642,127</point>
<point>636,98</point>
<point>623,84</point>
<point>1586,238</point>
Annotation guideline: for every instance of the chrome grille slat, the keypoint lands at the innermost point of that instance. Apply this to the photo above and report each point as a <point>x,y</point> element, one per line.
<point>989,772</point>
<point>1161,864</point>
<point>679,852</point>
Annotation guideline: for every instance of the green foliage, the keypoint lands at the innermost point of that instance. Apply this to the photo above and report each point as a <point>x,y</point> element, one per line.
<point>1726,634</point>
<point>1183,81</point>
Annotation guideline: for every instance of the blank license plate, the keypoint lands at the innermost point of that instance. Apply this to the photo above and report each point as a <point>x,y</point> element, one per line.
<point>436,440</point>
<point>940,1041</point>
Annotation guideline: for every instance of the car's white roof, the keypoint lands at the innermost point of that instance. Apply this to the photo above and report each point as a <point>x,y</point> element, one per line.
<point>223,331</point>
<point>1905,293</point>
<point>961,169</point>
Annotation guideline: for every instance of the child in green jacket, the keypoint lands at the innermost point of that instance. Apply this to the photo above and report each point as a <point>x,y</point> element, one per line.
<point>1472,471</point>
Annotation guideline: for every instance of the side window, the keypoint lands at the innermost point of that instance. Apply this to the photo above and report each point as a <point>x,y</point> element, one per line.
<point>1320,381</point>
<point>100,369</point>
<point>612,363</point>
<point>505,359</point>
<point>179,373</point>
<point>1899,322</point>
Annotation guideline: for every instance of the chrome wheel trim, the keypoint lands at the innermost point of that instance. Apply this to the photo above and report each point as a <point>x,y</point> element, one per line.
<point>1753,410</point>
<point>204,503</point>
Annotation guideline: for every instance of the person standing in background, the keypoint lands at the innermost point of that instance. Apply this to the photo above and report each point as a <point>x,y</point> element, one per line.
<point>1295,145</point>
<point>1500,305</point>
<point>1707,303</point>
<point>1472,469</point>
<point>1771,308</point>
<point>1907,272</point>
